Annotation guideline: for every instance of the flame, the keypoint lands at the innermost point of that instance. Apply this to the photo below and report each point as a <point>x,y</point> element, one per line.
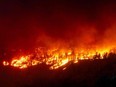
<point>56,58</point>
<point>22,62</point>
<point>5,63</point>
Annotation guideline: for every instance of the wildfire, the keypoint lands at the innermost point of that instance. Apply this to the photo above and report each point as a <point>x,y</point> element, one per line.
<point>23,62</point>
<point>55,58</point>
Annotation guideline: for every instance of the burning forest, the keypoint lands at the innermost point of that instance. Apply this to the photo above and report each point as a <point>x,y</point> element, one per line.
<point>56,34</point>
<point>56,57</point>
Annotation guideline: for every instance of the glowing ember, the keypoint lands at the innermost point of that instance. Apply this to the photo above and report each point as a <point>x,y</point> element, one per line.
<point>55,58</point>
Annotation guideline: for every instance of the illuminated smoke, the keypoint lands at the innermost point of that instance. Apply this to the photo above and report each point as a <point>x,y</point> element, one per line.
<point>59,34</point>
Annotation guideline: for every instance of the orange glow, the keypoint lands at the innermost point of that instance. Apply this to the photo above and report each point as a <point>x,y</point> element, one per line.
<point>5,63</point>
<point>22,62</point>
<point>56,58</point>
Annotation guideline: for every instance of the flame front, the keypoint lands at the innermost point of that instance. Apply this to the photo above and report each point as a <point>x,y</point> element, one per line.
<point>56,58</point>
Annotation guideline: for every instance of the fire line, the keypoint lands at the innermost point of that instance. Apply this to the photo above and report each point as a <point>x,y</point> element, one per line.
<point>56,58</point>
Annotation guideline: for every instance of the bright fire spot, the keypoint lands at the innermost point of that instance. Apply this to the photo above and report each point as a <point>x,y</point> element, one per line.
<point>22,62</point>
<point>56,58</point>
<point>5,63</point>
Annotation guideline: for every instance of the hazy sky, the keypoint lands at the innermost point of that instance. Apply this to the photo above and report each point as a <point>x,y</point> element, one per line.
<point>25,23</point>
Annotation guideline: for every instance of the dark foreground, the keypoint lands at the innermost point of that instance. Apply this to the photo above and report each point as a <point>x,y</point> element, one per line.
<point>97,73</point>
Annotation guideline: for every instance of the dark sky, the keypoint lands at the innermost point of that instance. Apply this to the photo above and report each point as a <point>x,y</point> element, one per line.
<point>26,23</point>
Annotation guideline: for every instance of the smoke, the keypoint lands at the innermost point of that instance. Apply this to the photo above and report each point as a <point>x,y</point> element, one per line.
<point>29,24</point>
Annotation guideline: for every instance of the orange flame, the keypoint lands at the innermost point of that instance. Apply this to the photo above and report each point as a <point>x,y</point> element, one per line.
<point>55,58</point>
<point>5,63</point>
